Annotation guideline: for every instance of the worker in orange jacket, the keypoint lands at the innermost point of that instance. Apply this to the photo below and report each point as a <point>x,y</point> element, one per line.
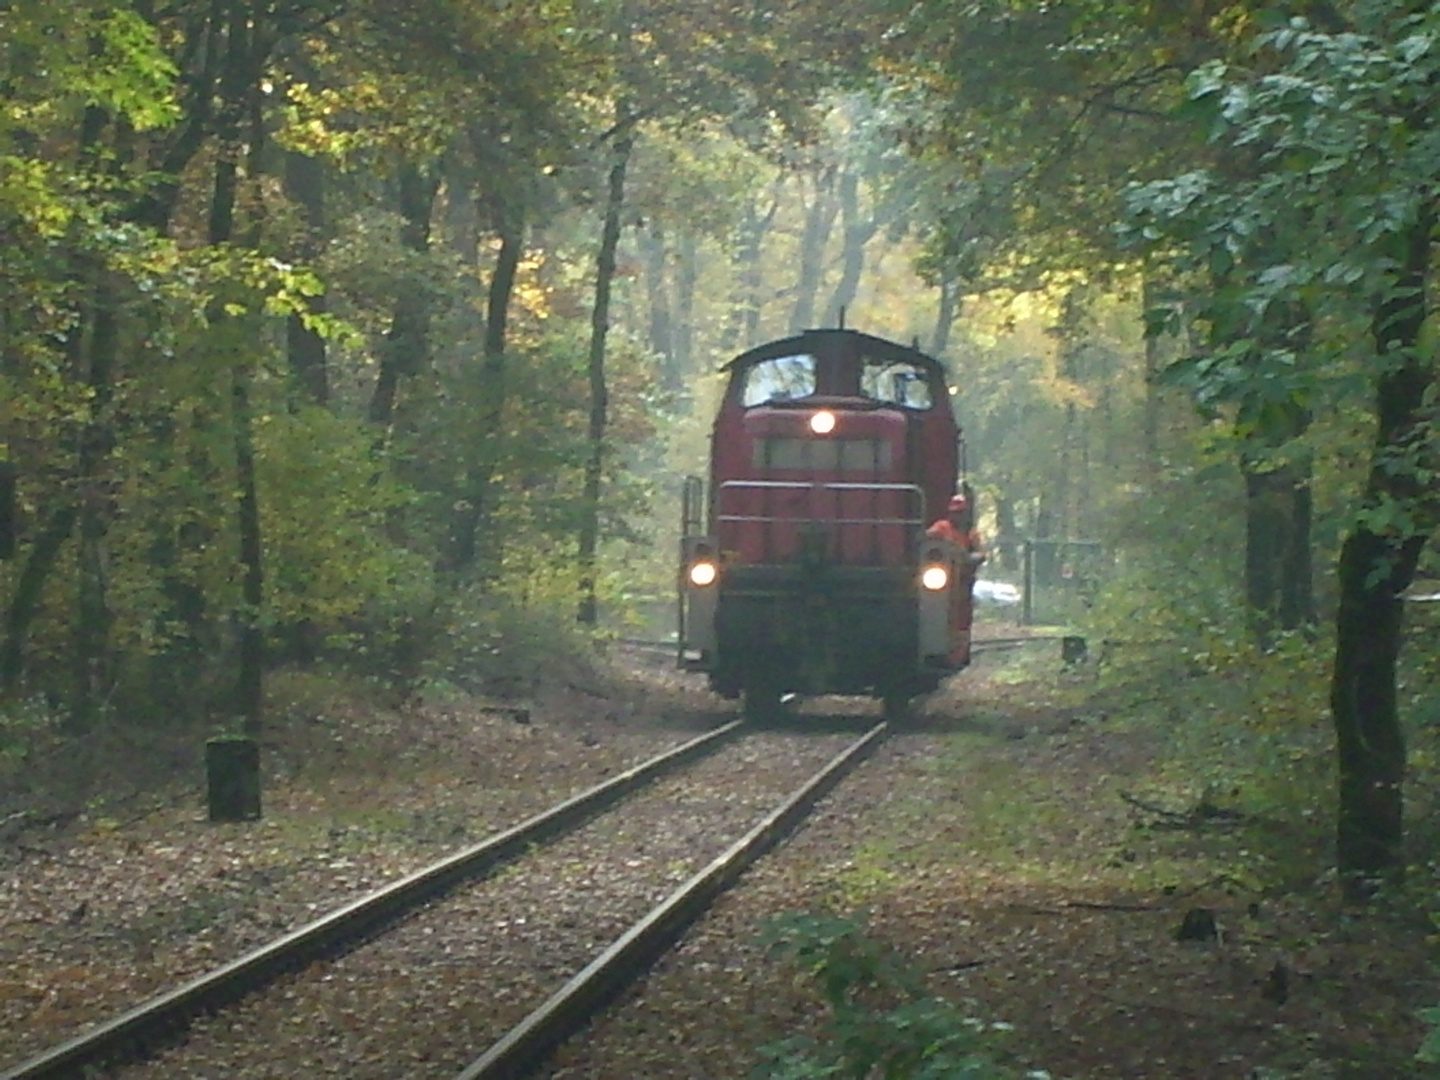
<point>958,527</point>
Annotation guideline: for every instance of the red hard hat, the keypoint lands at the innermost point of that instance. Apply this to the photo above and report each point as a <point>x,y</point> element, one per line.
<point>958,502</point>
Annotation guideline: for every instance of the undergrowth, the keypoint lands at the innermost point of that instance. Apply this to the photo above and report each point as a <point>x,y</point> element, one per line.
<point>879,1019</point>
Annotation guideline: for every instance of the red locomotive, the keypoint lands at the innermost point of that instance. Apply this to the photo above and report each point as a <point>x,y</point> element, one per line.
<point>806,564</point>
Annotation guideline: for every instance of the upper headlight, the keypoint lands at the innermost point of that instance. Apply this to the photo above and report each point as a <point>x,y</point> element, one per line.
<point>703,573</point>
<point>822,422</point>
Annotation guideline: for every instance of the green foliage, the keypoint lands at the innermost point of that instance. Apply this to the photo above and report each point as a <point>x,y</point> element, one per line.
<point>129,73</point>
<point>1190,519</point>
<point>1429,1052</point>
<point>327,499</point>
<point>56,59</point>
<point>498,640</point>
<point>24,724</point>
<point>1302,213</point>
<point>881,1022</point>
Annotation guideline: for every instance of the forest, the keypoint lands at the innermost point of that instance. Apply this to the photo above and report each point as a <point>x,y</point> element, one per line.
<point>381,336</point>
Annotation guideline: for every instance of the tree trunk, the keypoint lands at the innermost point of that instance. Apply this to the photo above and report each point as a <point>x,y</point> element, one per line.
<point>857,232</point>
<point>819,220</point>
<point>250,677</point>
<point>744,323</point>
<point>687,275</point>
<point>588,610</point>
<point>657,295</point>
<point>232,779</point>
<point>471,521</point>
<point>305,186</point>
<point>93,617</point>
<point>1376,564</point>
<point>9,509</point>
<point>29,587</point>
<point>1278,561</point>
<point>1150,420</point>
<point>1278,567</point>
<point>240,84</point>
<point>93,353</point>
<point>946,313</point>
<point>406,346</point>
<point>1007,544</point>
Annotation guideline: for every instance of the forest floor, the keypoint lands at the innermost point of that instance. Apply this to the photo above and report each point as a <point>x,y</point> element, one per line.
<point>1041,838</point>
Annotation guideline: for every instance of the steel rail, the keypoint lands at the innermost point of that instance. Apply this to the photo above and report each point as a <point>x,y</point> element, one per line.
<point>520,1051</point>
<point>160,1018</point>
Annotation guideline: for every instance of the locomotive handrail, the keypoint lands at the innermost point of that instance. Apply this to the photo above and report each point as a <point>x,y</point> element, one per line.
<point>838,484</point>
<point>825,485</point>
<point>835,520</point>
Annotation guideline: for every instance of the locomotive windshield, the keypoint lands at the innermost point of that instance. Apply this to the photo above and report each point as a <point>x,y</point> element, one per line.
<point>782,378</point>
<point>895,383</point>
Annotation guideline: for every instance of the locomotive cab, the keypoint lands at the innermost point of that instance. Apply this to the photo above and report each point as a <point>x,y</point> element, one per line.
<point>806,568</point>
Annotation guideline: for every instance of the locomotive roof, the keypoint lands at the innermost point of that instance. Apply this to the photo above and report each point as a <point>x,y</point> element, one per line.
<point>824,341</point>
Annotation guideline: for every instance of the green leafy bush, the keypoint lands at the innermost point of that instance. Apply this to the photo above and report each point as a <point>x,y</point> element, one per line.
<point>882,1023</point>
<point>497,640</point>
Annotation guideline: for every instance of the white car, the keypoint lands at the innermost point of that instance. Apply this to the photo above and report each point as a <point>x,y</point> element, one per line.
<point>996,592</point>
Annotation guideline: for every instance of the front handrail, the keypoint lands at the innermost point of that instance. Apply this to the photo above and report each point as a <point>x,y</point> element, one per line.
<point>814,488</point>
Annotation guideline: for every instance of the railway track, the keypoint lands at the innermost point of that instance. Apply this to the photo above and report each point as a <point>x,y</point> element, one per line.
<point>515,961</point>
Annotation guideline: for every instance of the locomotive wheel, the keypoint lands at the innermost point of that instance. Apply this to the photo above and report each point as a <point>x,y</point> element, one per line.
<point>763,704</point>
<point>896,708</point>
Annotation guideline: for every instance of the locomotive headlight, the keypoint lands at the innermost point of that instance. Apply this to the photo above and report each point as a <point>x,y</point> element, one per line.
<point>703,573</point>
<point>935,578</point>
<point>822,422</point>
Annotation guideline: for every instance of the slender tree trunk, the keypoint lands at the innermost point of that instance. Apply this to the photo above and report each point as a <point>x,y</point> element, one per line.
<point>687,275</point>
<point>1150,421</point>
<point>242,103</point>
<point>946,312</point>
<point>94,355</point>
<point>250,678</point>
<point>9,509</point>
<point>657,295</point>
<point>1376,565</point>
<point>204,62</point>
<point>819,220</point>
<point>474,511</point>
<point>406,347</point>
<point>1278,561</point>
<point>93,617</point>
<point>305,186</point>
<point>744,322</point>
<point>588,610</point>
<point>29,588</point>
<point>856,233</point>
<point>1006,544</point>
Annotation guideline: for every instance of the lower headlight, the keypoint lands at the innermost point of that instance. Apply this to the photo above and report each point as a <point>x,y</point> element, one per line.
<point>703,573</point>
<point>935,578</point>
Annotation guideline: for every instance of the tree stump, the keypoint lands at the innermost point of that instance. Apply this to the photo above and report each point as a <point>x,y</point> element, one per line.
<point>232,776</point>
<point>1198,925</point>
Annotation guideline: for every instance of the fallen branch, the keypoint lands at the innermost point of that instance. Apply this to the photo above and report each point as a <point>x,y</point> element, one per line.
<point>962,965</point>
<point>1198,816</point>
<point>1066,906</point>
